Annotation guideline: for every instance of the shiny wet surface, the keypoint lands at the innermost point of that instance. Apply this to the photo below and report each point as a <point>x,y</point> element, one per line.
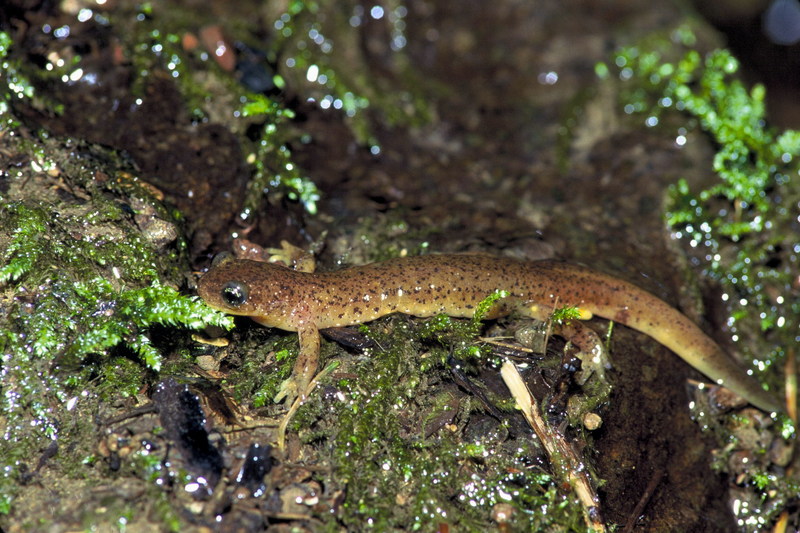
<point>509,144</point>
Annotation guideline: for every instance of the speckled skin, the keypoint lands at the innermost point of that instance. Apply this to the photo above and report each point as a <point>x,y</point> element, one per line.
<point>454,285</point>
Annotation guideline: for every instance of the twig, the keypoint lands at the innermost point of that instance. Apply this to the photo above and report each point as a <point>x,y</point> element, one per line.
<point>565,461</point>
<point>791,385</point>
<point>640,505</point>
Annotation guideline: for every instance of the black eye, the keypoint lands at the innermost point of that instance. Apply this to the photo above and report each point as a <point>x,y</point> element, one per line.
<point>235,293</point>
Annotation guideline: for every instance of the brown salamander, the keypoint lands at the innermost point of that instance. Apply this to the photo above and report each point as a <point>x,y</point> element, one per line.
<point>424,286</point>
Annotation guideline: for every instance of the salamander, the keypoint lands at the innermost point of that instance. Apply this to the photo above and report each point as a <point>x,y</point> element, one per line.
<point>424,286</point>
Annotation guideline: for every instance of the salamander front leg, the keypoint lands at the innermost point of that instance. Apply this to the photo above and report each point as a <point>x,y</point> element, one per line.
<point>296,388</point>
<point>292,256</point>
<point>304,368</point>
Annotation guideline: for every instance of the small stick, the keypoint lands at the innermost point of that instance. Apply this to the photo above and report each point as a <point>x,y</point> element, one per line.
<point>640,505</point>
<point>565,461</point>
<point>791,385</point>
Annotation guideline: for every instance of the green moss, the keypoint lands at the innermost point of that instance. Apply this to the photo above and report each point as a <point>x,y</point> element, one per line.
<point>14,85</point>
<point>303,34</point>
<point>321,46</point>
<point>742,229</point>
<point>77,286</point>
<point>94,313</point>
<point>398,477</point>
<point>273,164</point>
<point>203,83</point>
<point>85,309</point>
<point>273,169</point>
<point>742,226</point>
<point>565,314</point>
<point>486,305</point>
<point>251,381</point>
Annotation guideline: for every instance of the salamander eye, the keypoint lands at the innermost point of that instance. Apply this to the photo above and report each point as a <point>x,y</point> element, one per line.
<point>235,293</point>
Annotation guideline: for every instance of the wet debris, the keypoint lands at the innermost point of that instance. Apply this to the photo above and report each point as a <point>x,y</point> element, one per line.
<point>184,423</point>
<point>257,463</point>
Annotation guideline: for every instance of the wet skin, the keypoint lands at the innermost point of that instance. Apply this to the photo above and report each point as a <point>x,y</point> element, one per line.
<point>454,285</point>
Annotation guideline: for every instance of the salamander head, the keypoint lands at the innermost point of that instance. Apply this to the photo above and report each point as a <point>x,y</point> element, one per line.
<point>263,291</point>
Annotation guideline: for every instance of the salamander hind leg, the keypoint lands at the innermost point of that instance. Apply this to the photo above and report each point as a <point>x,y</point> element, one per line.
<point>590,350</point>
<point>588,345</point>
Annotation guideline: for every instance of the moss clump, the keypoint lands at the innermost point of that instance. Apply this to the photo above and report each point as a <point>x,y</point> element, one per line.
<point>273,164</point>
<point>742,229</point>
<point>15,85</point>
<point>565,314</point>
<point>741,226</point>
<point>94,313</point>
<point>81,291</point>
<point>203,85</point>
<point>273,170</point>
<point>457,336</point>
<point>255,381</point>
<point>397,473</point>
<point>320,43</point>
<point>65,312</point>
